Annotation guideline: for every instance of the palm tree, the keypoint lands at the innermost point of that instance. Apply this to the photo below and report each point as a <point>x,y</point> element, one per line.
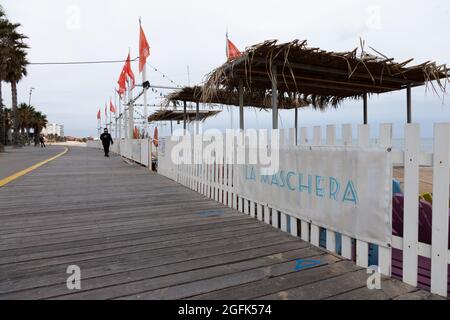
<point>2,64</point>
<point>26,114</point>
<point>39,122</point>
<point>14,65</point>
<point>7,123</point>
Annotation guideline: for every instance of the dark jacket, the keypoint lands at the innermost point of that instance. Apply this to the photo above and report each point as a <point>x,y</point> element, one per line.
<point>106,139</point>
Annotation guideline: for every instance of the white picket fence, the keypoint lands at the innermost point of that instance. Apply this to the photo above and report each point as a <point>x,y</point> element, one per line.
<point>218,182</point>
<point>139,151</point>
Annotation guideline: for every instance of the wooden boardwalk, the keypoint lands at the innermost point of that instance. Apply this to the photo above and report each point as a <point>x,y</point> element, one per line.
<point>137,235</point>
<point>15,160</point>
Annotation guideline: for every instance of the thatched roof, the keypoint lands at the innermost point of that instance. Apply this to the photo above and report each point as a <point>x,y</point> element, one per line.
<point>319,77</point>
<point>223,97</point>
<point>178,115</point>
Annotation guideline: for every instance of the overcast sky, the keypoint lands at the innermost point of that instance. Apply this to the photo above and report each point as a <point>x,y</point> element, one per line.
<point>191,33</point>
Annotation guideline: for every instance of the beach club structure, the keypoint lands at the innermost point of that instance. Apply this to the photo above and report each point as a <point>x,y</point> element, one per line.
<point>334,192</point>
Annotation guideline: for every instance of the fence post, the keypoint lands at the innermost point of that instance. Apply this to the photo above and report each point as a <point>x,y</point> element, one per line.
<point>441,182</point>
<point>385,254</point>
<point>315,230</point>
<point>347,139</point>
<point>362,248</point>
<point>411,205</point>
<point>331,235</point>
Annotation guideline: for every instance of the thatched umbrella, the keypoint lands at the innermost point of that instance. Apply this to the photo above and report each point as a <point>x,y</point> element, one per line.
<point>318,77</point>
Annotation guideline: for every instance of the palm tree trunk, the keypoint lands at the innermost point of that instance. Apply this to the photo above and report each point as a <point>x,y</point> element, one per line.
<point>15,114</point>
<point>2,121</point>
<point>37,135</point>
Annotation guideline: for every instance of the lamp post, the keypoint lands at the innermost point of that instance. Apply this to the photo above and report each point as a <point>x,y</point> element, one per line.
<point>31,92</point>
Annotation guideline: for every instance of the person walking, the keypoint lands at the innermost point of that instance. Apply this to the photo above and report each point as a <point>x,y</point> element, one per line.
<point>42,141</point>
<point>107,141</point>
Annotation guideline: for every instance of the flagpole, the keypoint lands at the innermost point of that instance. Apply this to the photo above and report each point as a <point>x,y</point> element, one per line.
<point>116,134</point>
<point>144,79</point>
<point>130,112</point>
<point>120,117</point>
<point>130,105</point>
<point>125,115</point>
<point>231,108</point>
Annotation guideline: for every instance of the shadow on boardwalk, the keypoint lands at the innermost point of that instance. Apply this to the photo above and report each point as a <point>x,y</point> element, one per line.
<point>137,235</point>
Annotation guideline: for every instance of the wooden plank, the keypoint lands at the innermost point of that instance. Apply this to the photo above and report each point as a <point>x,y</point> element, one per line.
<point>304,139</point>
<point>240,205</point>
<point>98,287</point>
<point>292,137</point>
<point>305,231</point>
<point>193,289</point>
<point>273,287</point>
<point>246,207</point>
<point>331,235</point>
<point>362,248</point>
<point>199,280</point>
<point>411,206</point>
<point>267,217</point>
<point>331,241</point>
<point>284,222</point>
<point>275,219</point>
<point>294,226</point>
<point>440,232</point>
<point>347,139</point>
<point>252,209</point>
<point>315,235</point>
<point>317,136</point>
<point>384,253</point>
<point>328,288</point>
<point>260,213</point>
<point>362,254</point>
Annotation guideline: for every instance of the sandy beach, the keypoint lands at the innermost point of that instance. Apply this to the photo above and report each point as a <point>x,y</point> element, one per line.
<point>426,178</point>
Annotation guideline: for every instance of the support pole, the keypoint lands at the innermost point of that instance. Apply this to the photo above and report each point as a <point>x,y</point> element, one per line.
<point>130,112</point>
<point>296,126</point>
<point>197,120</point>
<point>409,104</point>
<point>274,99</point>
<point>116,128</point>
<point>365,109</point>
<point>120,118</point>
<point>144,79</point>
<point>241,106</point>
<point>110,118</point>
<point>185,117</point>
<point>125,117</point>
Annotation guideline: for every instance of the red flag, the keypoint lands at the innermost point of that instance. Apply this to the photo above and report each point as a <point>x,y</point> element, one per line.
<point>106,111</point>
<point>232,51</point>
<point>112,108</point>
<point>122,82</point>
<point>99,115</point>
<point>136,133</point>
<point>144,50</point>
<point>129,71</point>
<point>156,137</point>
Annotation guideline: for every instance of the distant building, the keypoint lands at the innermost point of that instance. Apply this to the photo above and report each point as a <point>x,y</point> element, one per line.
<point>54,129</point>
